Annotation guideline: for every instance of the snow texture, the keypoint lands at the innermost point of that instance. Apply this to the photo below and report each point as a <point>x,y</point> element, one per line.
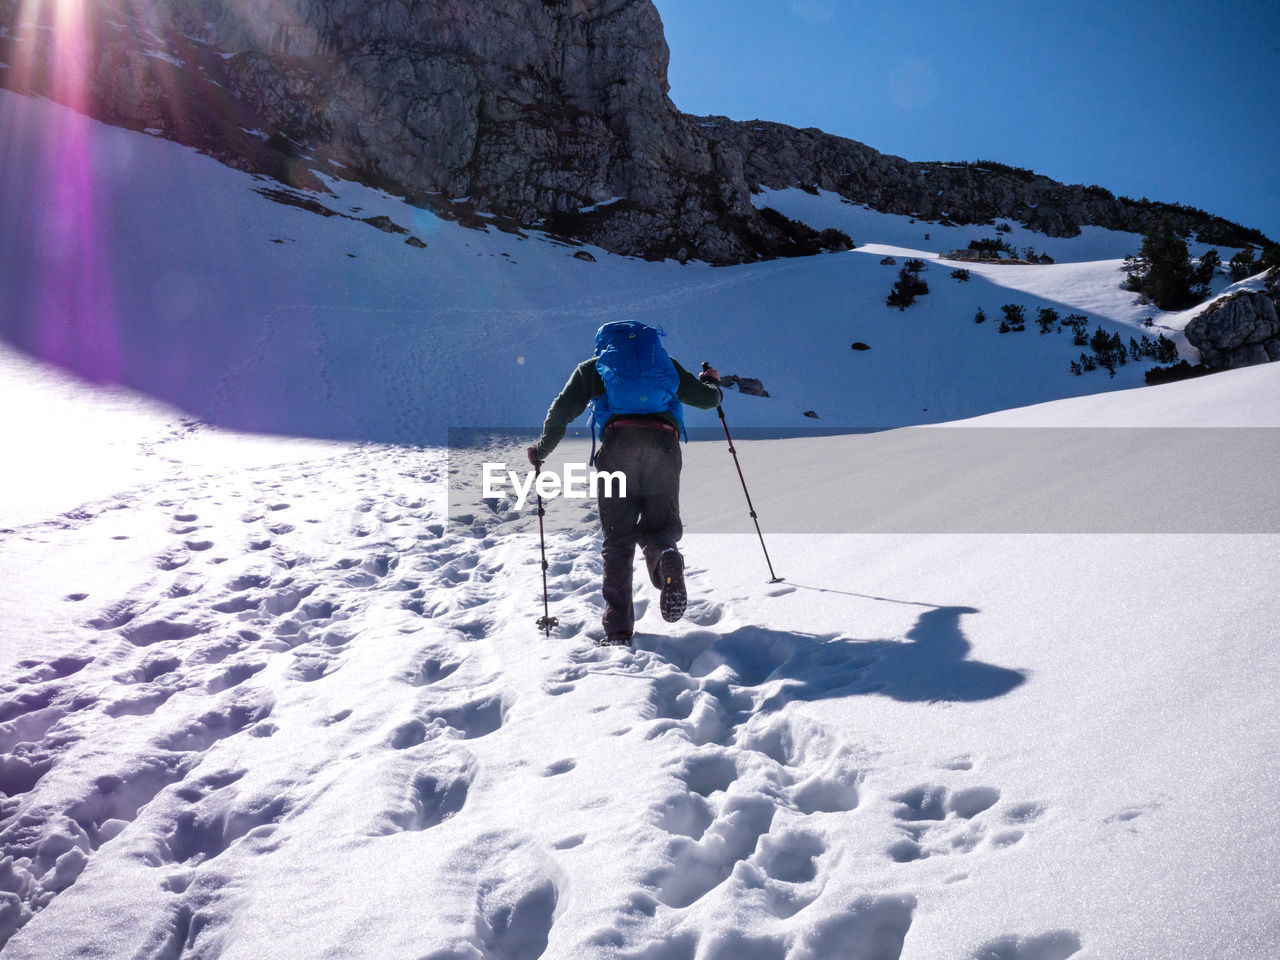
<point>260,698</point>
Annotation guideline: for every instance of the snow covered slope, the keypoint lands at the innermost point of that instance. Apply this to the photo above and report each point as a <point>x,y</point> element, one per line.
<point>263,695</point>
<point>260,698</point>
<point>127,258</point>
<point>864,225</point>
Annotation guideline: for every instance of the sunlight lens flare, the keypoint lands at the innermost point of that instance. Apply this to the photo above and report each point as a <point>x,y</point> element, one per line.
<point>65,62</point>
<point>76,326</point>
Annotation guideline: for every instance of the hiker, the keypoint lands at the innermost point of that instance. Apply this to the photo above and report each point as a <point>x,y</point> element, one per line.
<point>636,392</point>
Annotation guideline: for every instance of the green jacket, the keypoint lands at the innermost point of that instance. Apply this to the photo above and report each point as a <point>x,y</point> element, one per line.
<point>586,384</point>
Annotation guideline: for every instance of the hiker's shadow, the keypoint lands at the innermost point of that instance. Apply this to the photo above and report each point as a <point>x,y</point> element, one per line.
<point>931,663</point>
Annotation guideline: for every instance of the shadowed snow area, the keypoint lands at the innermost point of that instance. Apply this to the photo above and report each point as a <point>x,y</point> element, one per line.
<point>261,697</point>
<point>176,276</point>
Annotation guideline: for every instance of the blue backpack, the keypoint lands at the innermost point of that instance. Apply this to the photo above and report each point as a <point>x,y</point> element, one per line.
<point>638,374</point>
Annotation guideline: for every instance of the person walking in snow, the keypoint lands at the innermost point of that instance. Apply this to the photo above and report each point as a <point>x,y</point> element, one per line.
<point>636,392</point>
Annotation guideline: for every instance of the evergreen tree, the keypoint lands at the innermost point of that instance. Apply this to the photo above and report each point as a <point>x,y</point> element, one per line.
<point>1204,272</point>
<point>990,246</point>
<point>1102,349</point>
<point>1243,265</point>
<point>905,291</point>
<point>979,317</point>
<point>1046,317</point>
<point>1015,314</point>
<point>1162,271</point>
<point>1166,350</point>
<point>1117,349</point>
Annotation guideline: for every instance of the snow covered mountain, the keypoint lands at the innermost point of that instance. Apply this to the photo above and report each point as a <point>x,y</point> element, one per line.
<point>530,110</point>
<point>262,697</point>
<point>187,283</point>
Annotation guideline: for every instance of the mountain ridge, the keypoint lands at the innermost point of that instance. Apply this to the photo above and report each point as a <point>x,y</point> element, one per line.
<point>535,114</point>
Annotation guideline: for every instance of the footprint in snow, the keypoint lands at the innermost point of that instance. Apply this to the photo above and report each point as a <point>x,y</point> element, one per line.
<point>226,720</point>
<point>57,669</point>
<point>1024,812</point>
<point>249,581</point>
<point>685,814</point>
<point>788,871</point>
<point>218,819</point>
<point>936,821</point>
<point>1055,945</point>
<point>705,613</point>
<point>700,866</point>
<point>139,703</point>
<point>172,559</point>
<point>431,670</point>
<point>313,668</point>
<point>114,616</point>
<point>434,797</point>
<point>517,906</point>
<point>1128,815</point>
<point>161,630</point>
<point>475,718</point>
<point>236,604</point>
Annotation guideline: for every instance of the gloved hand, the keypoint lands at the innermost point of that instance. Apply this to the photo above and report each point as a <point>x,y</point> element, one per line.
<point>709,374</point>
<point>532,452</point>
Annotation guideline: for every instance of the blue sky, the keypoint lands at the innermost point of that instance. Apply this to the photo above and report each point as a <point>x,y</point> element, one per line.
<point>1174,101</point>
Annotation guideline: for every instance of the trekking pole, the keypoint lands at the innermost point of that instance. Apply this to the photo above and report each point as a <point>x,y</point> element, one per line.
<point>546,622</point>
<point>774,578</point>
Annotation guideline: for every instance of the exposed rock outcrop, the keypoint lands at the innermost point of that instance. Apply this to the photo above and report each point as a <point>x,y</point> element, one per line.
<point>550,112</point>
<point>747,385</point>
<point>1239,330</point>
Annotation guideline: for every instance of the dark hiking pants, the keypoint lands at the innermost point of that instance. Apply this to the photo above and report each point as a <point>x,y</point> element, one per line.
<point>649,515</point>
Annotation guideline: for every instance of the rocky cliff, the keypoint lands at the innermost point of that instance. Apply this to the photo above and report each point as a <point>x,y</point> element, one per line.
<point>1239,330</point>
<point>551,112</point>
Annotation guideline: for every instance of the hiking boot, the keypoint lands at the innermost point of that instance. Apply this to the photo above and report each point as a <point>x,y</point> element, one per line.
<point>673,599</point>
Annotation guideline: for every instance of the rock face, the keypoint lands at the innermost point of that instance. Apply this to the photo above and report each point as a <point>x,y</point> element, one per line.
<point>1240,330</point>
<point>748,385</point>
<point>551,112</point>
<point>778,156</point>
